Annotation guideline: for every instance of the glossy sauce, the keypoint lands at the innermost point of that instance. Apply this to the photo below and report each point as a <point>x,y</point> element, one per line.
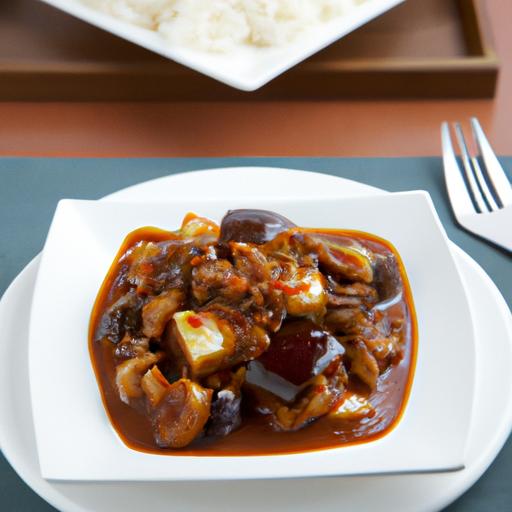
<point>255,436</point>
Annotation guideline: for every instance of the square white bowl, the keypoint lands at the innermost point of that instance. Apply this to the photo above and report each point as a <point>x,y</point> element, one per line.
<point>247,68</point>
<point>75,440</point>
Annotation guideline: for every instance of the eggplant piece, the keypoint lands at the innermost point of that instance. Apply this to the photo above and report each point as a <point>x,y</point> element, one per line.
<point>300,351</point>
<point>252,226</point>
<point>130,347</point>
<point>124,316</point>
<point>258,375</point>
<point>388,280</point>
<point>225,414</point>
<point>159,266</point>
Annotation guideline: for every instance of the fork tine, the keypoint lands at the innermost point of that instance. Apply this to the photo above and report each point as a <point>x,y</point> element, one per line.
<point>493,167</point>
<point>489,198</point>
<point>459,196</point>
<point>466,162</point>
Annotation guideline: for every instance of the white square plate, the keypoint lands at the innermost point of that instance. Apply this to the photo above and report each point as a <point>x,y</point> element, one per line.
<point>74,438</point>
<point>247,68</point>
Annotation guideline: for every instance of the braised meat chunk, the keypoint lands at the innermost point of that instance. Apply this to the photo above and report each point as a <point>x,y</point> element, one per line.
<point>253,330</point>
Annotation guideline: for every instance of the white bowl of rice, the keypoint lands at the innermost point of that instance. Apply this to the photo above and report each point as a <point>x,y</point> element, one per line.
<point>243,43</point>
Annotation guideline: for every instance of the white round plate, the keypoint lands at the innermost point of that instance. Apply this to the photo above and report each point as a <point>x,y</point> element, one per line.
<point>490,428</point>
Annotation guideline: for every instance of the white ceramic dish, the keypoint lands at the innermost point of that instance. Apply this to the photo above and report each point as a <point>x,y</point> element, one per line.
<point>84,237</point>
<point>247,68</point>
<point>404,493</point>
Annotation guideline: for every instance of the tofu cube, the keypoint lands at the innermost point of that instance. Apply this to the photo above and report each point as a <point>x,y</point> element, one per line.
<point>311,296</point>
<point>203,341</point>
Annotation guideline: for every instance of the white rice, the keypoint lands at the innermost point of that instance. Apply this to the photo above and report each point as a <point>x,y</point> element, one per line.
<point>220,25</point>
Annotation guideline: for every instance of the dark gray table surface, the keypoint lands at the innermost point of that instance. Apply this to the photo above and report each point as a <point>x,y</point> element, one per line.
<point>30,189</point>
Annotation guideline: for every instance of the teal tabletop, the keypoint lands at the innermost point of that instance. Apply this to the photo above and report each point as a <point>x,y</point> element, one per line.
<point>31,188</point>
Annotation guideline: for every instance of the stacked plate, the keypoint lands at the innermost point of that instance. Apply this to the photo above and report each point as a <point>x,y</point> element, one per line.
<point>477,343</point>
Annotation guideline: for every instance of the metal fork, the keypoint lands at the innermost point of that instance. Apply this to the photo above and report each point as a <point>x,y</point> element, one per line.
<point>481,195</point>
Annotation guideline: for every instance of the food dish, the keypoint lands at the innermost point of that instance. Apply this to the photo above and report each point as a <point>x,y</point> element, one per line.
<point>249,67</point>
<point>222,25</point>
<point>488,433</point>
<point>250,330</point>
<point>80,236</point>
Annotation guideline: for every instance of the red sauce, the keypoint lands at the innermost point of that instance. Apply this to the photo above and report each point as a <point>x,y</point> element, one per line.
<point>292,290</point>
<point>255,436</point>
<point>195,321</point>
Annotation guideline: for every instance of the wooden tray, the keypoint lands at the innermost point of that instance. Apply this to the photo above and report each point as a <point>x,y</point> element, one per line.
<point>423,48</point>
